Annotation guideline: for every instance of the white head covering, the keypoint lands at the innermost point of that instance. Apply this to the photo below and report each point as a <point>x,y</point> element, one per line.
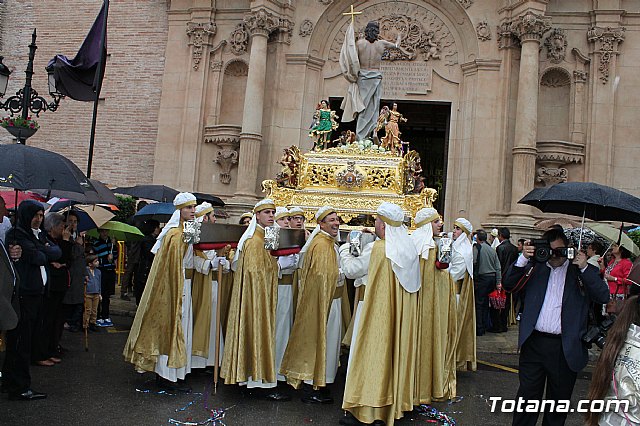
<point>322,212</point>
<point>422,237</point>
<point>246,214</point>
<point>295,211</point>
<point>281,212</point>
<point>202,210</point>
<point>496,242</point>
<point>267,203</point>
<point>183,199</point>
<point>398,247</point>
<point>463,245</point>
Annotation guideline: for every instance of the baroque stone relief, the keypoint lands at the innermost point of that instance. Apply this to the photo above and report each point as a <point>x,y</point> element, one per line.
<point>483,31</point>
<point>228,142</point>
<point>556,44</point>
<point>199,34</point>
<point>552,175</point>
<point>306,28</point>
<point>239,39</point>
<point>261,22</point>
<point>465,3</point>
<point>424,35</point>
<point>606,40</point>
<point>555,77</point>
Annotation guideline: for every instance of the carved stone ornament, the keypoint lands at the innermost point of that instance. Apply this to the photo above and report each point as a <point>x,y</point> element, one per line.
<point>555,77</point>
<point>606,42</point>
<point>530,26</point>
<point>200,35</point>
<point>285,30</point>
<point>261,22</point>
<point>215,65</point>
<point>227,157</point>
<point>552,175</point>
<point>306,28</point>
<point>505,36</point>
<point>556,44</point>
<point>580,76</point>
<point>465,3</point>
<point>326,2</point>
<point>483,31</point>
<point>424,35</point>
<point>239,39</point>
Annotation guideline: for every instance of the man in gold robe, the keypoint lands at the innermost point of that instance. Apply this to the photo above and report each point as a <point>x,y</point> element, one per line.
<point>312,355</point>
<point>437,319</point>
<point>204,295</point>
<point>461,270</point>
<point>160,339</point>
<point>249,351</point>
<point>380,381</point>
<point>284,309</point>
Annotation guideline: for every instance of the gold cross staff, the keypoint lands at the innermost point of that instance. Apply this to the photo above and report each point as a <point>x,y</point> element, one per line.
<point>352,13</point>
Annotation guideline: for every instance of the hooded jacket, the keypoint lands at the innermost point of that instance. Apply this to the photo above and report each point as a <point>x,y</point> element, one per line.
<point>36,252</point>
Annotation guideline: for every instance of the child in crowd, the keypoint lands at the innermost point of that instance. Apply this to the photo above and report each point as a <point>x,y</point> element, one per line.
<point>92,295</point>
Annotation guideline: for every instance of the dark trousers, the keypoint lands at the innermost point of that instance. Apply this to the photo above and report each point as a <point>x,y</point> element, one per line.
<point>73,313</point>
<point>542,362</point>
<point>499,319</point>
<point>15,374</point>
<point>51,326</point>
<point>108,285</point>
<point>483,285</point>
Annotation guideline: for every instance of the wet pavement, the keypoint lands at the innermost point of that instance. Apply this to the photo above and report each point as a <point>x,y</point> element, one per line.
<point>98,388</point>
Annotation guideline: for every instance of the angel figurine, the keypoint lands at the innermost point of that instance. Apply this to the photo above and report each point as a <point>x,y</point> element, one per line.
<point>324,123</point>
<point>391,139</point>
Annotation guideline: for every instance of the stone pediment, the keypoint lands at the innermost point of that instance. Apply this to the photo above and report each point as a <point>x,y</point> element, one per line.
<point>424,34</point>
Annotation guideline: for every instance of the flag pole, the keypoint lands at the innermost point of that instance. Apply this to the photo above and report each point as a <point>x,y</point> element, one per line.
<point>98,87</point>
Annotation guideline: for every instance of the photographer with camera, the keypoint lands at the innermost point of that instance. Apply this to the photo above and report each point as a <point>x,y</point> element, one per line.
<point>557,294</point>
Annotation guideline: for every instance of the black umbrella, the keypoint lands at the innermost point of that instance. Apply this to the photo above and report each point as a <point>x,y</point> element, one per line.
<point>150,192</point>
<point>101,195</point>
<point>215,201</point>
<point>24,167</point>
<point>586,199</point>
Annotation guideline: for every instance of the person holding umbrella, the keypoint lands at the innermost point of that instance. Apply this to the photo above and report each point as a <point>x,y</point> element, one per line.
<point>615,274</point>
<point>33,273</point>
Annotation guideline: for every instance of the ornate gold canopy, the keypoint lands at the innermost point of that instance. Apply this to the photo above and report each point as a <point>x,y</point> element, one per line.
<point>352,180</point>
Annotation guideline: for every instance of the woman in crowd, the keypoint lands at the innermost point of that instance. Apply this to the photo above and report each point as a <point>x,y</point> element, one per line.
<point>617,271</point>
<point>613,376</point>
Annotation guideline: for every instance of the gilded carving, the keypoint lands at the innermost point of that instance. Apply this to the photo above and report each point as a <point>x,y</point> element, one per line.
<point>424,35</point>
<point>350,176</point>
<point>199,35</point>
<point>606,42</point>
<point>306,28</point>
<point>483,31</point>
<point>556,44</point>
<point>261,22</point>
<point>239,39</point>
<point>552,175</point>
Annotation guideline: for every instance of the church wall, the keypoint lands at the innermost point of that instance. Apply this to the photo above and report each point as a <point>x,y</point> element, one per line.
<point>127,120</point>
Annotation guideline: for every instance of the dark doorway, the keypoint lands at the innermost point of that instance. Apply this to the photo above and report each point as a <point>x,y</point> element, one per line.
<point>427,131</point>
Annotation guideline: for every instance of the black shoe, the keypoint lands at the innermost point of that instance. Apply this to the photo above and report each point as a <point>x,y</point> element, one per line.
<point>169,386</point>
<point>125,297</point>
<point>276,396</point>
<point>28,395</point>
<point>479,333</point>
<point>94,328</point>
<point>491,330</point>
<point>350,420</point>
<point>316,397</point>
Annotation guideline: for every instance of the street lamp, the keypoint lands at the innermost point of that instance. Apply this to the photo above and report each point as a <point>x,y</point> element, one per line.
<point>26,100</point>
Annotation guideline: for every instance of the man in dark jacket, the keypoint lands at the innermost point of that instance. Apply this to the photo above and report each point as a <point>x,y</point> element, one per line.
<point>151,230</point>
<point>507,254</point>
<point>557,295</point>
<point>32,270</point>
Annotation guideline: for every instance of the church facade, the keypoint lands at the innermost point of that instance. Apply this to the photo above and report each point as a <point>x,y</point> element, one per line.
<point>501,96</point>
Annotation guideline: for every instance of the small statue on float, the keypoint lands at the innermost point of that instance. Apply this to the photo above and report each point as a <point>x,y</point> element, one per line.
<point>347,137</point>
<point>390,119</point>
<point>288,176</point>
<point>324,123</point>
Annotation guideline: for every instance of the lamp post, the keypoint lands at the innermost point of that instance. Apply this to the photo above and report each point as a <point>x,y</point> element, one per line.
<point>26,100</point>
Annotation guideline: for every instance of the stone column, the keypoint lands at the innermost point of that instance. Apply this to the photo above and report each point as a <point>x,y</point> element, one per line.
<point>529,28</point>
<point>259,23</point>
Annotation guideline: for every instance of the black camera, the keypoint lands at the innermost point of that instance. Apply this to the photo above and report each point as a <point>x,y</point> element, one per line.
<point>543,251</point>
<point>598,333</point>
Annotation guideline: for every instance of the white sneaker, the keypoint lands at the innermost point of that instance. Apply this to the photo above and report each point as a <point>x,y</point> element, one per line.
<point>100,323</point>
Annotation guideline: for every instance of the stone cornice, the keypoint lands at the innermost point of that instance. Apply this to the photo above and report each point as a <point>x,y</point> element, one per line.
<point>481,65</point>
<point>304,59</point>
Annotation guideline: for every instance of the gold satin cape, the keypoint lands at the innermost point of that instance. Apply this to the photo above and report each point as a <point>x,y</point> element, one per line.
<point>466,332</point>
<point>157,326</point>
<point>249,350</point>
<point>380,381</point>
<point>437,325</point>
<point>306,354</point>
<point>201,289</point>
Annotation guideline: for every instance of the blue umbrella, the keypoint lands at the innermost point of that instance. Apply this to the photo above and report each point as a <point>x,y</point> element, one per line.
<point>157,211</point>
